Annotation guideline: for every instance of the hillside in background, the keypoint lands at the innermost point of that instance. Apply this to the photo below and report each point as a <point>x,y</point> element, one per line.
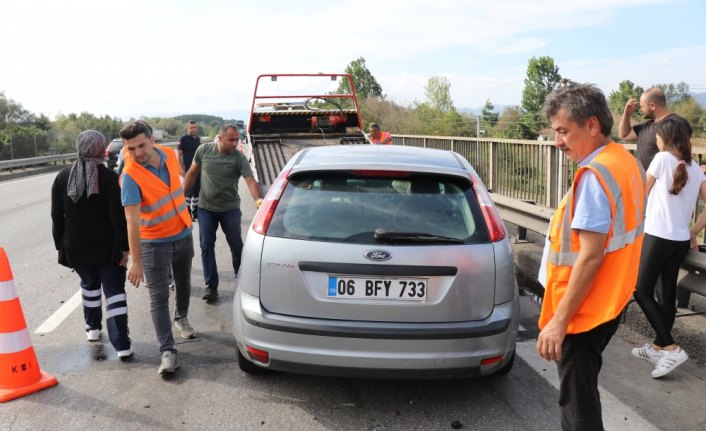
<point>700,98</point>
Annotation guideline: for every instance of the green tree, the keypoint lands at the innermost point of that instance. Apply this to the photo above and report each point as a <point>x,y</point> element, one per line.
<point>430,121</point>
<point>3,109</point>
<point>456,124</point>
<point>700,128</point>
<point>542,77</point>
<point>509,123</point>
<point>18,141</point>
<point>626,90</point>
<point>392,117</point>
<point>365,83</point>
<point>690,109</point>
<point>22,134</point>
<point>12,112</point>
<point>438,94</point>
<point>43,122</point>
<point>675,93</point>
<point>489,118</point>
<point>67,128</point>
<point>172,127</point>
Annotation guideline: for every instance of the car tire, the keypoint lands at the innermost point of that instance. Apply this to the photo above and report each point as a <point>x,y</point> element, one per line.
<point>507,367</point>
<point>248,367</point>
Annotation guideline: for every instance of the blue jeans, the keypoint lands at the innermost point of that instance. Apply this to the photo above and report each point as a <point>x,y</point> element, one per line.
<point>208,225</point>
<point>112,278</point>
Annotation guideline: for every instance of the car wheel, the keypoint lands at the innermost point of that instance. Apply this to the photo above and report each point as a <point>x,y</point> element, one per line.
<point>248,367</point>
<point>507,367</point>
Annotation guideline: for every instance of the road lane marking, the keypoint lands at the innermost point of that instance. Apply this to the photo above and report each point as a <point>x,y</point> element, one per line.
<point>616,415</point>
<point>59,315</point>
<point>29,177</point>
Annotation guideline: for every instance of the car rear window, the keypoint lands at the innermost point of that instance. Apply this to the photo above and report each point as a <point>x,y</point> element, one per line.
<point>115,145</point>
<point>350,208</point>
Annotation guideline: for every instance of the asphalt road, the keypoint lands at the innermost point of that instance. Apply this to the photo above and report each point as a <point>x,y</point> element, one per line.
<point>97,391</point>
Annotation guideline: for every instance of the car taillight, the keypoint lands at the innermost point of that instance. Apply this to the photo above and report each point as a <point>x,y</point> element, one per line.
<point>488,363</point>
<point>269,204</point>
<point>258,355</point>
<point>107,153</point>
<point>490,213</point>
<point>493,360</point>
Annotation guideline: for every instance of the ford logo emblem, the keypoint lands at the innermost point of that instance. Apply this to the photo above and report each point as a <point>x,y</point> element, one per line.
<point>378,255</point>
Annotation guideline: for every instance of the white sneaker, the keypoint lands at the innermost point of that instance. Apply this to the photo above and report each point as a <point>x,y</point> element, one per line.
<point>169,363</point>
<point>185,330</point>
<point>669,361</point>
<point>124,355</point>
<point>93,334</point>
<point>647,353</point>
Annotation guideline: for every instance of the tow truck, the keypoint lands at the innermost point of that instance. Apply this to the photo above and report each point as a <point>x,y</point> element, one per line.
<point>287,116</point>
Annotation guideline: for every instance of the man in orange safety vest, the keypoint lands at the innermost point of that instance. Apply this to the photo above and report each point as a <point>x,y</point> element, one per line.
<point>591,257</point>
<point>159,233</point>
<point>379,137</point>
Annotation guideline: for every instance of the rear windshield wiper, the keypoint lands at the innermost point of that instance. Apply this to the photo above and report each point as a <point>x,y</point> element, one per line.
<point>387,235</point>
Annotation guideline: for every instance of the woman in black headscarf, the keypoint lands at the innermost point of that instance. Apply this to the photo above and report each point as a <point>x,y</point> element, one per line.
<point>90,235</point>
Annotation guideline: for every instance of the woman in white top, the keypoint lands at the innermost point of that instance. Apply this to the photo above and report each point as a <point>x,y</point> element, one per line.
<point>674,181</point>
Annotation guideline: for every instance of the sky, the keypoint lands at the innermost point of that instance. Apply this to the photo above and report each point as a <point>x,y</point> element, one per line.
<point>132,58</point>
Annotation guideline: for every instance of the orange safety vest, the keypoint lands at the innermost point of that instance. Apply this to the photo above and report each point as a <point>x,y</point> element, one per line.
<point>383,136</point>
<point>163,210</point>
<point>623,180</point>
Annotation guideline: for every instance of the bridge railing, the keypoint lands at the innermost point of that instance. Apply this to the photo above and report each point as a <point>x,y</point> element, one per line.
<point>531,171</point>
<point>528,179</point>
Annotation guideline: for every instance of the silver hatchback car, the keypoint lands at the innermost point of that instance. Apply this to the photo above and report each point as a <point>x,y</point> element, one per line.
<point>377,261</point>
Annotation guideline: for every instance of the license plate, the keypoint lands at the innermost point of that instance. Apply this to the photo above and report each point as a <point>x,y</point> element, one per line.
<point>409,289</point>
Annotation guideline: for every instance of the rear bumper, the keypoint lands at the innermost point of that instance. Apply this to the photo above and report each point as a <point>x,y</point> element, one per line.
<point>376,373</point>
<point>376,349</point>
<point>497,323</point>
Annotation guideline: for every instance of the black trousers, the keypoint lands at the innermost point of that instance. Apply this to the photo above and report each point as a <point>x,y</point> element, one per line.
<point>660,257</point>
<point>112,279</point>
<point>192,198</point>
<point>581,361</point>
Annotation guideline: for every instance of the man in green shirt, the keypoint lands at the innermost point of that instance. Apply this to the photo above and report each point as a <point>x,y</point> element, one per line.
<point>221,167</point>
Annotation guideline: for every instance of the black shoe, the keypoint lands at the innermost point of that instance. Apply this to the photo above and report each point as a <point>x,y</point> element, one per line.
<point>210,294</point>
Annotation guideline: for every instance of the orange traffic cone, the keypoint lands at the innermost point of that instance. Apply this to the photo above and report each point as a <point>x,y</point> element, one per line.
<point>19,371</point>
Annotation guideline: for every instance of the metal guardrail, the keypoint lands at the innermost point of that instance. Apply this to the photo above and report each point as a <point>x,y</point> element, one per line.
<point>33,161</point>
<point>694,281</point>
<point>692,276</point>
<point>523,214</point>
